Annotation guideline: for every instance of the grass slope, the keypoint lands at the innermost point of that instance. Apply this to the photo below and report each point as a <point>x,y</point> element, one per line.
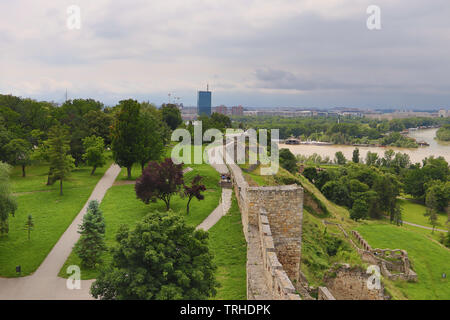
<point>428,258</point>
<point>317,240</point>
<point>414,213</point>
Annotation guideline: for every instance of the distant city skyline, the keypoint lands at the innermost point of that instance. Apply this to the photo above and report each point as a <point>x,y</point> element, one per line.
<point>263,54</point>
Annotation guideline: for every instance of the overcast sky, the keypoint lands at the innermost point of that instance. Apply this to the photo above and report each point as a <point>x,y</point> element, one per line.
<point>261,53</point>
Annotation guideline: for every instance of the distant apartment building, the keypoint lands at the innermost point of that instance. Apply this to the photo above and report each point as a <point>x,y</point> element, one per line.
<point>251,113</point>
<point>221,109</point>
<point>352,114</point>
<point>237,111</point>
<point>189,113</point>
<point>444,113</point>
<point>401,115</point>
<point>204,103</point>
<point>287,114</point>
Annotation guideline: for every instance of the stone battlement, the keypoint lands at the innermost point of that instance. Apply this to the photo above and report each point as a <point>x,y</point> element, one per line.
<point>272,222</point>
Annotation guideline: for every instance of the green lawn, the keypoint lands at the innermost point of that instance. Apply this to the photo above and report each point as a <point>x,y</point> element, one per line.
<point>414,213</point>
<point>120,206</point>
<point>227,242</point>
<point>429,259</point>
<point>51,212</point>
<point>256,177</point>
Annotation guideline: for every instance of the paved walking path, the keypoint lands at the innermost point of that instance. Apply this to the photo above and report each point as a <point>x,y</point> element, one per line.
<point>219,212</point>
<point>215,157</point>
<point>423,227</point>
<point>44,283</point>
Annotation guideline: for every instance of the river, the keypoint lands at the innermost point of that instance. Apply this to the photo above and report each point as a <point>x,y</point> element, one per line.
<point>436,148</point>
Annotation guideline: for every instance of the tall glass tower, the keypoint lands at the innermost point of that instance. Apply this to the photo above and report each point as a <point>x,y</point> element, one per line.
<point>204,103</point>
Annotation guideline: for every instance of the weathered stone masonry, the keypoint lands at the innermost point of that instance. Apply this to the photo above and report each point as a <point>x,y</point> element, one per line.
<point>272,222</point>
<point>283,206</point>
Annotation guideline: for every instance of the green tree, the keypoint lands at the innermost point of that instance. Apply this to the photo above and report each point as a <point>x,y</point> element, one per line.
<point>18,153</point>
<point>161,259</point>
<point>414,182</point>
<point>437,195</point>
<point>98,124</point>
<point>29,225</point>
<point>8,204</point>
<point>359,210</point>
<point>371,158</point>
<point>61,163</point>
<point>340,158</point>
<point>310,173</point>
<point>127,134</point>
<point>5,137</point>
<point>416,179</point>
<point>443,133</point>
<point>373,205</point>
<point>337,192</point>
<point>432,217</point>
<point>91,244</point>
<point>387,159</point>
<point>355,157</point>
<point>223,120</point>
<point>94,155</point>
<point>151,143</point>
<point>436,168</point>
<point>387,188</point>
<point>447,239</point>
<point>72,114</point>
<point>288,161</point>
<point>162,127</point>
<point>171,115</point>
<point>396,215</point>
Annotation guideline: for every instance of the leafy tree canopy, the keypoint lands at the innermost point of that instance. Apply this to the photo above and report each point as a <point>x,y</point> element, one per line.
<point>161,259</point>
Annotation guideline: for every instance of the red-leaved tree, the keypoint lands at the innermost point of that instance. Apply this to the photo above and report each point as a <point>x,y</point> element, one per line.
<point>159,181</point>
<point>194,191</point>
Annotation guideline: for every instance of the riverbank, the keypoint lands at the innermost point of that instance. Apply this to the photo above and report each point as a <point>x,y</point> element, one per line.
<point>435,148</point>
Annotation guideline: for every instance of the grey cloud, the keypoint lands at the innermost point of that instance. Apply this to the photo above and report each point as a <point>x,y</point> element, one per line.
<point>320,57</point>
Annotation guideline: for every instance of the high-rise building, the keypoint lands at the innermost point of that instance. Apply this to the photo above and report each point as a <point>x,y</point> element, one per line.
<point>204,103</point>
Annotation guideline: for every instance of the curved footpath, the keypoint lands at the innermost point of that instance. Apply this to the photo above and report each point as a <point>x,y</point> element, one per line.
<point>216,159</point>
<point>44,283</point>
<point>423,227</point>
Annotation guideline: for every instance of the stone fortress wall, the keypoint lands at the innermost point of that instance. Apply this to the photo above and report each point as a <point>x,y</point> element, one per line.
<point>272,222</point>
<point>272,219</point>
